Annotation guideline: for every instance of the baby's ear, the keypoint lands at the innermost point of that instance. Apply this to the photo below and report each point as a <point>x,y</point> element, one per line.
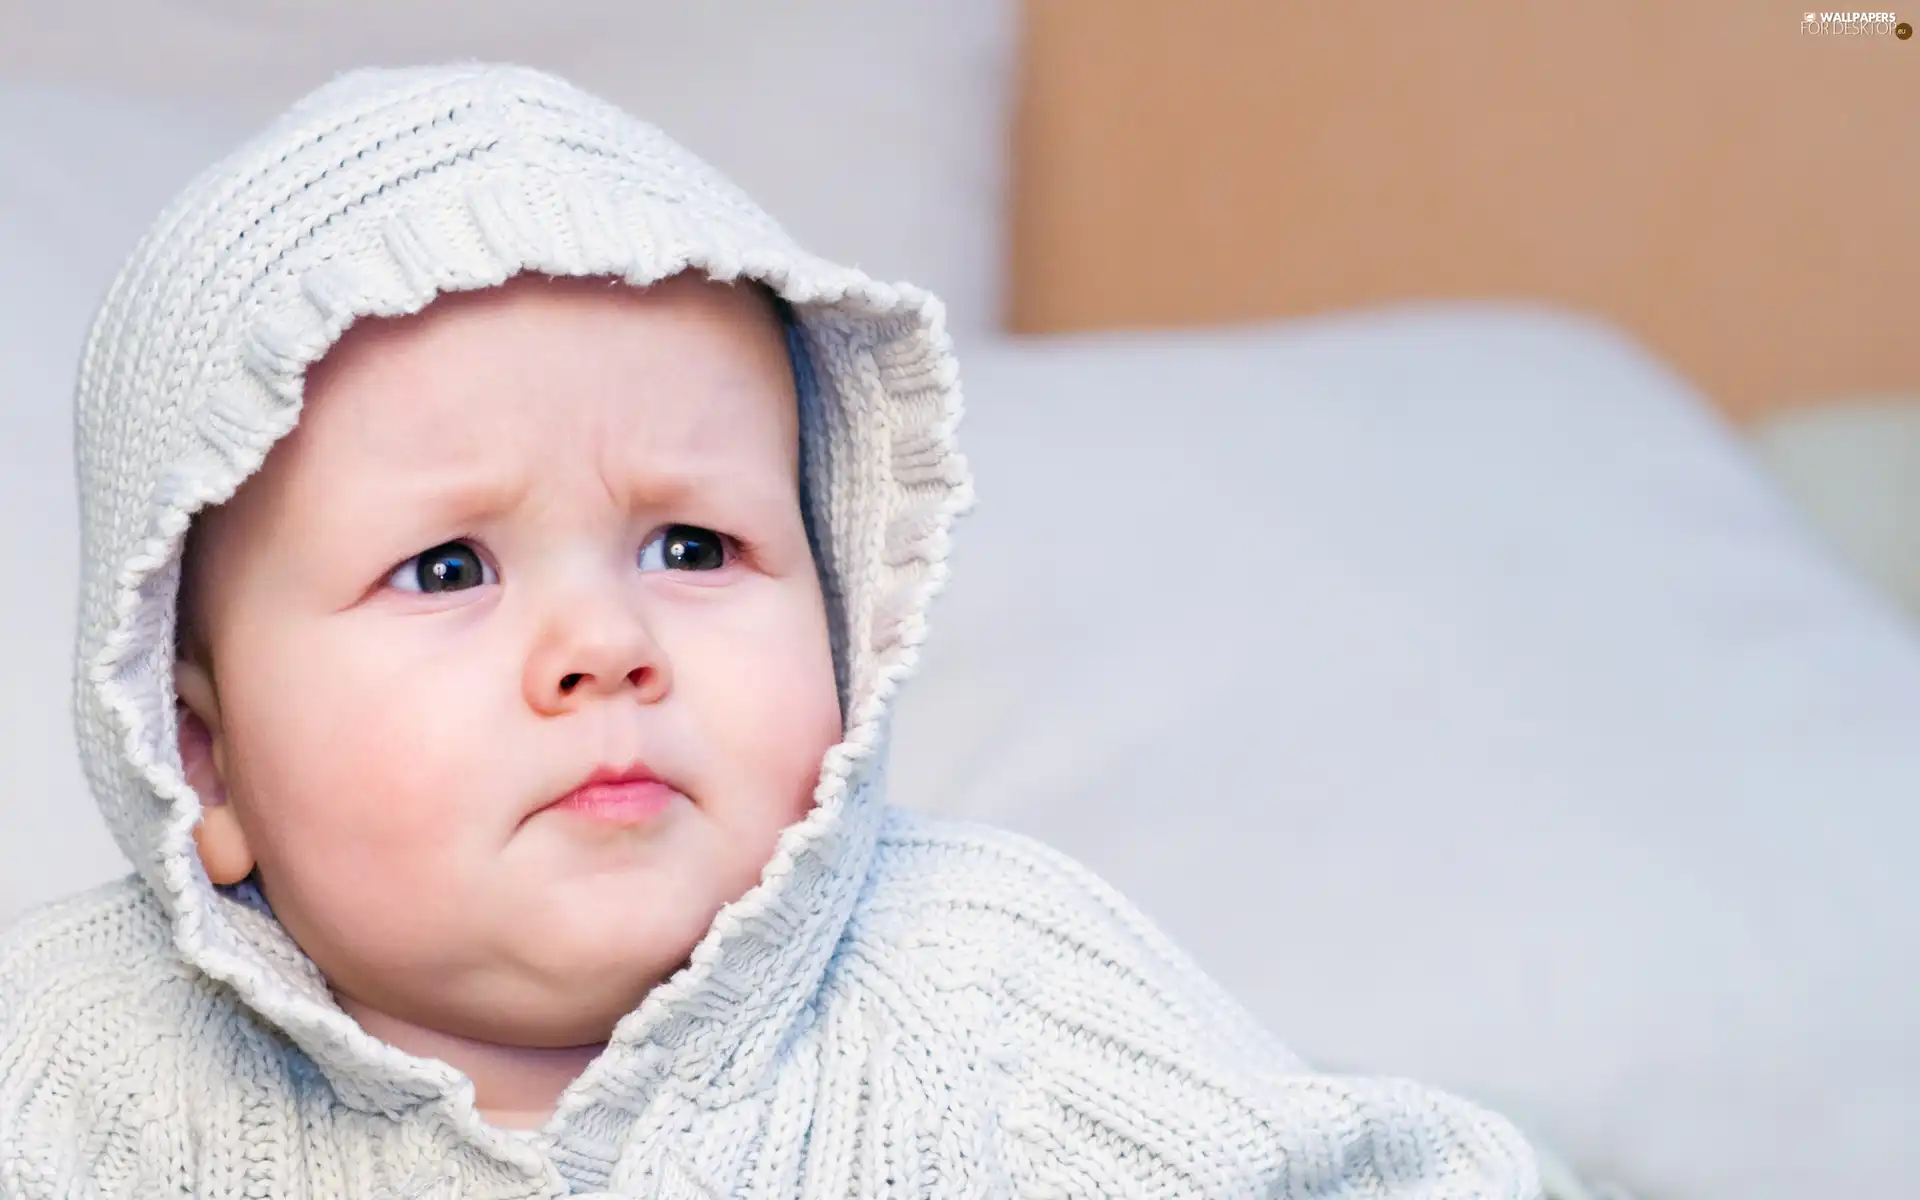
<point>224,851</point>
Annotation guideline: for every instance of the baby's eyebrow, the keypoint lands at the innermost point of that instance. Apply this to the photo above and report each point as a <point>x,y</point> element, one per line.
<point>718,490</point>
<point>456,496</point>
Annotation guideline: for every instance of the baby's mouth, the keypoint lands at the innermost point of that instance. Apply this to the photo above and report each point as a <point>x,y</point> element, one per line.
<point>625,795</point>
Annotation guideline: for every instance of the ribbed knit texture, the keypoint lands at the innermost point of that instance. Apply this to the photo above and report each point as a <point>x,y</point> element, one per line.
<point>903,1006</point>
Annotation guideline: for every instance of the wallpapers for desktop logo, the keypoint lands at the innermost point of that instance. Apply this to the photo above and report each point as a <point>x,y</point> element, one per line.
<point>1855,24</point>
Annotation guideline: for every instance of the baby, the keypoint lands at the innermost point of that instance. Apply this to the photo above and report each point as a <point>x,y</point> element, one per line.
<point>503,548</point>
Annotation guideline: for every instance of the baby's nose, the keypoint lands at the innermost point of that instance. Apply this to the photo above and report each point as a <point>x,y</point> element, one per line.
<point>577,679</point>
<point>589,660</point>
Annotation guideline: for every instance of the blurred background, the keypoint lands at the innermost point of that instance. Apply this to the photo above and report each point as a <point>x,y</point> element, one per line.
<point>1449,537</point>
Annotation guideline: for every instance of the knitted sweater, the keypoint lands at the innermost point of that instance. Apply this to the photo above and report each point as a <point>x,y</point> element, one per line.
<point>902,1006</point>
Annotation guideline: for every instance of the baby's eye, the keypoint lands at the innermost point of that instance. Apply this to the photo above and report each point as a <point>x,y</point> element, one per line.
<point>684,548</point>
<point>448,567</point>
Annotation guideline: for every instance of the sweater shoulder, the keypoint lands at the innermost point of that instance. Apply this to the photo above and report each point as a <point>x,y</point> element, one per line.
<point>90,982</point>
<point>1042,924</point>
<point>1129,1070</point>
<point>98,1016</point>
<point>115,936</point>
<point>938,871</point>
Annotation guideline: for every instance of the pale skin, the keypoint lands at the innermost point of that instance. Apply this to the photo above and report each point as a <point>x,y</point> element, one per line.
<point>531,531</point>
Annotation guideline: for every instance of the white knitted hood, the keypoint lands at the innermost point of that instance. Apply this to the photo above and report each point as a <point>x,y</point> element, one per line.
<point>370,197</point>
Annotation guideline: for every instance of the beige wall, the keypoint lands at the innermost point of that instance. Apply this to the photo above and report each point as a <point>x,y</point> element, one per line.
<point>1742,196</point>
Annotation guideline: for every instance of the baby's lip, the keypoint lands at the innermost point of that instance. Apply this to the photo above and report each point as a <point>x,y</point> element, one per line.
<point>605,775</point>
<point>634,772</point>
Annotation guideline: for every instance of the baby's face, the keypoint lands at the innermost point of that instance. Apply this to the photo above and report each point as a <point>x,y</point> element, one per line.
<point>532,533</point>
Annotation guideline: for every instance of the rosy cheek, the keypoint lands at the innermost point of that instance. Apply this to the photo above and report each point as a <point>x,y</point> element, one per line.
<point>370,761</point>
<point>780,712</point>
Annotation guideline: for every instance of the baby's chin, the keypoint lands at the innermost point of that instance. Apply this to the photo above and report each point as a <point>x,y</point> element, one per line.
<point>550,1021</point>
<point>543,1005</point>
<point>589,896</point>
<point>601,949</point>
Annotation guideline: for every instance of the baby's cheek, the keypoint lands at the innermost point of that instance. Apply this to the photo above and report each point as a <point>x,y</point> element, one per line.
<point>379,785</point>
<point>775,714</point>
<point>378,763</point>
